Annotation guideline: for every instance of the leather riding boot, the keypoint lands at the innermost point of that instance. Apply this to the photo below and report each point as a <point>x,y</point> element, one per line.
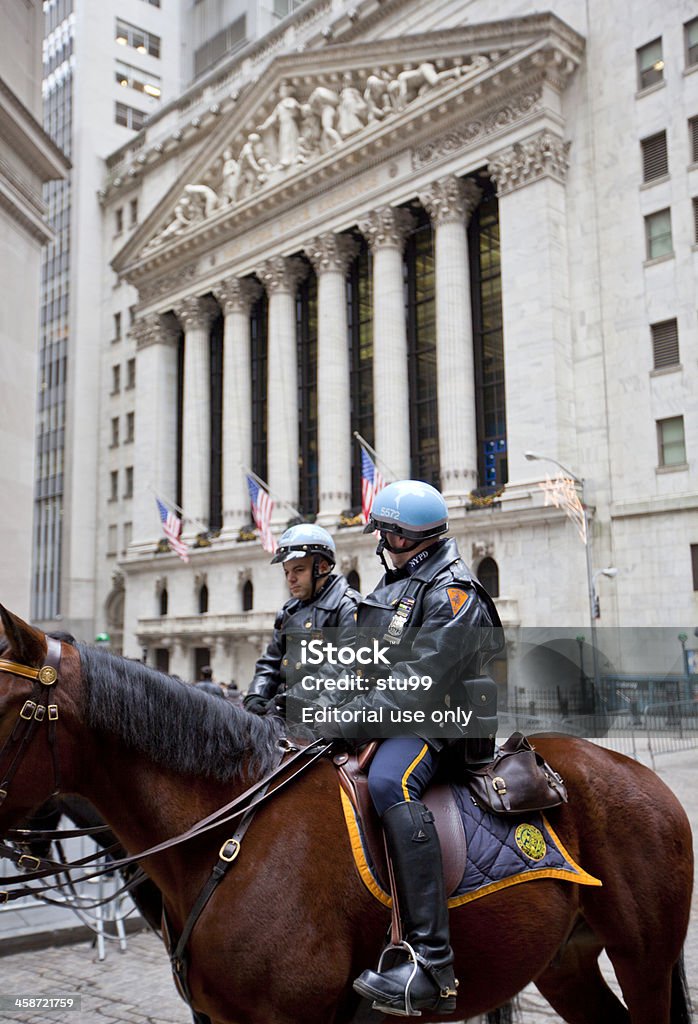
<point>424,979</point>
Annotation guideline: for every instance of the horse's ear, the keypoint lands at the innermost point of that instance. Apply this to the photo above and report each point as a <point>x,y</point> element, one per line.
<point>27,645</point>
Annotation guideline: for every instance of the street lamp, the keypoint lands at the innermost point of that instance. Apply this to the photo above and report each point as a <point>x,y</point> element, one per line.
<point>591,575</point>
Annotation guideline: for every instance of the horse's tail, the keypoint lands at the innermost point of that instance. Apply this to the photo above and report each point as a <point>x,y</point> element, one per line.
<point>681,1008</point>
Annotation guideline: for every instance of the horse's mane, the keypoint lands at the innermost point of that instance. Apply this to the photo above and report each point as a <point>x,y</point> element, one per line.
<point>172,722</point>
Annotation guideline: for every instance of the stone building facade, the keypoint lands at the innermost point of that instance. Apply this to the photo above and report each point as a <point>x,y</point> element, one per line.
<point>440,226</point>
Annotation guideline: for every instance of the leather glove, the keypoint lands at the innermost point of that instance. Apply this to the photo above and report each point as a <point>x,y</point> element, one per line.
<point>256,704</point>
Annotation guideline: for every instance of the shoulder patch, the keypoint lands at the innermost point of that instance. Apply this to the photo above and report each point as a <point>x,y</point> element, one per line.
<point>457,597</point>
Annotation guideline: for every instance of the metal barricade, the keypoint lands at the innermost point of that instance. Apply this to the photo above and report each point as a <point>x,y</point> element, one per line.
<point>33,915</point>
<point>670,727</point>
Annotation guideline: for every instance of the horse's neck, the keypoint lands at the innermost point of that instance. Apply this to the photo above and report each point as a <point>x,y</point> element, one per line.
<point>146,803</point>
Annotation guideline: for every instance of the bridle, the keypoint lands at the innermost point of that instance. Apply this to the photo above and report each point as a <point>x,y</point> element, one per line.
<point>35,710</point>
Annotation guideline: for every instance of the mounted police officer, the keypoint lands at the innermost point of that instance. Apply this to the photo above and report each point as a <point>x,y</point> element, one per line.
<point>438,624</point>
<point>320,599</point>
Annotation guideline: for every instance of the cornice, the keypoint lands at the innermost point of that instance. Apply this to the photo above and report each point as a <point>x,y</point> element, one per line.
<point>23,205</point>
<point>21,132</point>
<point>544,155</point>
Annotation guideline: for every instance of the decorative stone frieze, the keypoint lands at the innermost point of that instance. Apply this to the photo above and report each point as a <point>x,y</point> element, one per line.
<point>282,273</point>
<point>237,294</point>
<point>544,155</point>
<point>386,227</point>
<point>450,199</point>
<point>495,120</point>
<point>150,290</point>
<point>196,312</point>
<point>153,329</point>
<point>331,252</point>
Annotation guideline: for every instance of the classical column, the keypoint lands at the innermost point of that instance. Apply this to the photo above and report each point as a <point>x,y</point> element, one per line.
<point>450,202</point>
<point>195,315</point>
<point>385,230</point>
<point>155,449</point>
<point>280,276</point>
<point>235,296</point>
<point>530,178</point>
<point>330,255</point>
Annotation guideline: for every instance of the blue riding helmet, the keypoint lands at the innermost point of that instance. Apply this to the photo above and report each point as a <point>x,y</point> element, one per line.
<point>305,539</point>
<point>409,508</point>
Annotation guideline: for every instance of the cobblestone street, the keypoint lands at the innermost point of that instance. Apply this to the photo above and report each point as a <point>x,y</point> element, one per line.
<point>135,987</point>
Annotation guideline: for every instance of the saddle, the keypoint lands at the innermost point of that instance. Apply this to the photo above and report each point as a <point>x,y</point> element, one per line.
<point>352,769</point>
<point>517,781</point>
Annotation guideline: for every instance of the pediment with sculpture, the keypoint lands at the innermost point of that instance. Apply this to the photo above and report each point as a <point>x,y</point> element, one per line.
<point>314,114</point>
<point>306,123</point>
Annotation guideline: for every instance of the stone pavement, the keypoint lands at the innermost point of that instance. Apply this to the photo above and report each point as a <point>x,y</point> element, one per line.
<point>135,987</point>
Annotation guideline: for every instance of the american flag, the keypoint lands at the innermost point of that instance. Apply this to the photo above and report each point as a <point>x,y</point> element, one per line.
<point>262,508</point>
<point>371,483</point>
<point>172,528</point>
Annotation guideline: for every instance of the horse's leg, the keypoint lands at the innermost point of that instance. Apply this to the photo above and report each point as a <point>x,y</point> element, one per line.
<point>575,987</point>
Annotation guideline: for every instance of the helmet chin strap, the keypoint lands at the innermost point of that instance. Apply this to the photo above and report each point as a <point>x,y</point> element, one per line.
<point>384,544</point>
<point>317,575</point>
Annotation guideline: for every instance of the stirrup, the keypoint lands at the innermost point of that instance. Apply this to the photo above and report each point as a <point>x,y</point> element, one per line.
<point>417,962</point>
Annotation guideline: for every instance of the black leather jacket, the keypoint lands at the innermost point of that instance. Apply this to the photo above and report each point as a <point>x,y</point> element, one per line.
<point>442,623</point>
<point>333,608</point>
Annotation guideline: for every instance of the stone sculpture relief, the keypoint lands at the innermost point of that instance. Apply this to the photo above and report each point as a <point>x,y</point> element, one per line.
<point>303,127</point>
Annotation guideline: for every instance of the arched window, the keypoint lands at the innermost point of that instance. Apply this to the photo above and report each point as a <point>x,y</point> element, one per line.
<point>247,596</point>
<point>354,580</point>
<point>163,601</point>
<point>203,599</point>
<point>488,574</point>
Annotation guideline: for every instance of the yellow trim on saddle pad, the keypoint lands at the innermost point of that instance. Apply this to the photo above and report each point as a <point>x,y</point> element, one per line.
<point>582,877</point>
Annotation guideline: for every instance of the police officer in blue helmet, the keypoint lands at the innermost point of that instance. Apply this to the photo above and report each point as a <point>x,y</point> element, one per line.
<point>437,622</point>
<point>320,599</point>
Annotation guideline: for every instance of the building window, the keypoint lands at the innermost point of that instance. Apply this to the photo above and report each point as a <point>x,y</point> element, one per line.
<point>258,369</point>
<point>128,491</point>
<point>225,42</point>
<point>117,327</point>
<point>658,234</point>
<point>306,337</point>
<point>126,535</point>
<point>694,565</point>
<point>654,157</point>
<point>671,441</point>
<point>111,540</point>
<point>116,379</point>
<point>421,350</point>
<point>693,138</point>
<point>247,596</point>
<point>118,220</point>
<point>360,329</point>
<point>133,213</point>
<point>690,30</point>
<point>665,343</point>
<point>138,38</point>
<point>162,655</point>
<point>114,485</point>
<point>129,117</point>
<point>114,432</point>
<point>488,344</point>
<point>164,601</point>
<point>650,64</point>
<point>135,78</point>
<point>488,574</point>
<point>130,427</point>
<point>130,374</point>
<point>203,599</point>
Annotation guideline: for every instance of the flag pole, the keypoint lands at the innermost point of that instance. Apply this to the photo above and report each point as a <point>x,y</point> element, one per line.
<point>373,453</point>
<point>267,488</point>
<point>180,511</point>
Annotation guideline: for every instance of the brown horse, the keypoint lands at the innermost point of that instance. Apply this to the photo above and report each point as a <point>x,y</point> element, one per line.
<point>291,924</point>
